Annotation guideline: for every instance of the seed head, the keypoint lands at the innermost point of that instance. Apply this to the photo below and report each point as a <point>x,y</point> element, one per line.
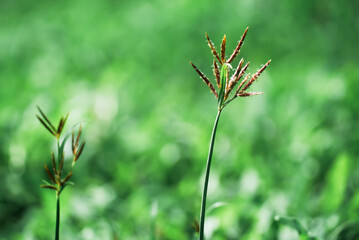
<point>49,126</point>
<point>225,85</point>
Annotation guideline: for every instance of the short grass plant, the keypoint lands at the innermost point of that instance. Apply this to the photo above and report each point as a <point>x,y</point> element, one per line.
<point>58,179</point>
<point>224,94</point>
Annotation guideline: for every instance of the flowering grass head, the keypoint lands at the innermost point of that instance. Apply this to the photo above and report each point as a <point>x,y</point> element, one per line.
<point>226,84</point>
<point>58,182</point>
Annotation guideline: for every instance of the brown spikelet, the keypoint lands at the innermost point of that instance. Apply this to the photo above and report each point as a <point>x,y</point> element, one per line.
<point>241,73</point>
<point>223,49</point>
<point>49,174</point>
<point>214,51</point>
<point>216,73</point>
<point>248,94</point>
<point>78,154</point>
<point>78,136</point>
<point>49,124</point>
<point>59,128</point>
<point>255,76</point>
<point>238,69</point>
<point>46,126</point>
<point>236,51</point>
<point>240,85</point>
<point>205,79</point>
<point>227,83</point>
<point>49,187</point>
<point>61,125</point>
<point>235,78</point>
<point>66,178</point>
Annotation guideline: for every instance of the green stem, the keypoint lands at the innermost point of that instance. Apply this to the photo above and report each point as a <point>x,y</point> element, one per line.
<point>57,231</point>
<point>206,179</point>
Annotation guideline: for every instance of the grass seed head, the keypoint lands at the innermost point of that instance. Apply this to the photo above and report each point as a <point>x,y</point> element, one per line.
<point>49,126</point>
<point>77,148</point>
<point>225,85</point>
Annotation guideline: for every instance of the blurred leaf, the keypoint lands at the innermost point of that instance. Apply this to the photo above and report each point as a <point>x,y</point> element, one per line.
<point>62,146</point>
<point>215,206</point>
<point>336,183</point>
<point>295,225</point>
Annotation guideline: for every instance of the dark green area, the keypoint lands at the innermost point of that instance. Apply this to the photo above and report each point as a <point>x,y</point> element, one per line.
<point>121,68</point>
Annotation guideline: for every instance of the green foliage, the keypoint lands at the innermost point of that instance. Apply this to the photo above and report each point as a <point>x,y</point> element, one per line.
<point>122,66</point>
<point>336,183</point>
<point>295,225</point>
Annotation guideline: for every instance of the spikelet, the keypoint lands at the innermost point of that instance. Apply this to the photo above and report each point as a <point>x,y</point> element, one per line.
<point>223,49</point>
<point>240,85</point>
<point>205,79</point>
<point>51,176</point>
<point>255,76</point>
<point>248,94</point>
<point>214,51</point>
<point>235,77</point>
<point>240,75</point>
<point>216,73</point>
<point>236,51</point>
<point>66,178</point>
<point>49,126</point>
<point>238,69</point>
<point>77,148</point>
<point>49,187</point>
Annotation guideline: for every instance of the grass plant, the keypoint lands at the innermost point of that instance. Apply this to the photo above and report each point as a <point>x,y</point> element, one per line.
<point>224,95</point>
<point>58,182</point>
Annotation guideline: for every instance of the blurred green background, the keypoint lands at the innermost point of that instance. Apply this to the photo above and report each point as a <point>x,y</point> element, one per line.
<point>121,67</point>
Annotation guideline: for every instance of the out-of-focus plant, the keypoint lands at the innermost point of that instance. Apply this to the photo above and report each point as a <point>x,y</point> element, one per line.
<point>58,182</point>
<point>225,85</point>
<point>295,225</point>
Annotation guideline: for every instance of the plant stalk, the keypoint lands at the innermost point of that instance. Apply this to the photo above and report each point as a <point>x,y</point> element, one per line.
<point>57,231</point>
<point>206,179</point>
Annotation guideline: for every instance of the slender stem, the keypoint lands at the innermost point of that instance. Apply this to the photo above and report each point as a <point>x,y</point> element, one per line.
<point>206,179</point>
<point>57,231</point>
